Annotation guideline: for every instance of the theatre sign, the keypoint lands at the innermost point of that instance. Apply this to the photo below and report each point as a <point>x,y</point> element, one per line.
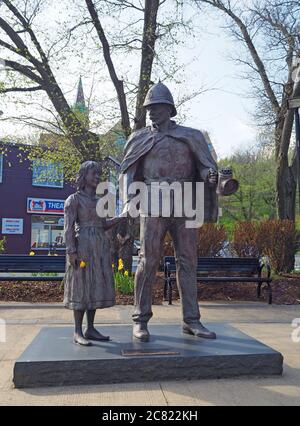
<point>45,206</point>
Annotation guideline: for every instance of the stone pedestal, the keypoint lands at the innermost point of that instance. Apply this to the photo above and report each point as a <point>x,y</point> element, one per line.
<point>52,359</point>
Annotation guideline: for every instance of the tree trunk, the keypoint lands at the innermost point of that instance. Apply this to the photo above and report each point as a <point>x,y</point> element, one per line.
<point>285,180</point>
<point>286,190</point>
<point>118,84</point>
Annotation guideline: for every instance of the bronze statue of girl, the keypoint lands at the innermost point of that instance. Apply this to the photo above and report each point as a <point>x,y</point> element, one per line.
<point>89,281</point>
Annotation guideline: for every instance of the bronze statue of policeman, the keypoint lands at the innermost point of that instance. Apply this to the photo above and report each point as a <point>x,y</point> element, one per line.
<point>166,151</point>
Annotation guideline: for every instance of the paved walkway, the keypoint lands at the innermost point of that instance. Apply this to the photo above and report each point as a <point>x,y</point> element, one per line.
<point>269,324</point>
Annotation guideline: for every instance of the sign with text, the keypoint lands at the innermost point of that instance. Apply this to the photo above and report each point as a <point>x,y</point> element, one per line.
<point>45,206</point>
<point>12,226</point>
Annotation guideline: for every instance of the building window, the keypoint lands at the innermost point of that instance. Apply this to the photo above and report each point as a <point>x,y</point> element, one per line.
<point>47,232</point>
<point>49,174</point>
<point>1,167</point>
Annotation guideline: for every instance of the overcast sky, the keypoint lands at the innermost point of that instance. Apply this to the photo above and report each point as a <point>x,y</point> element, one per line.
<point>224,110</point>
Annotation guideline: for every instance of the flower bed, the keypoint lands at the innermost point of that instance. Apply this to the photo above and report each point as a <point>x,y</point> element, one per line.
<point>286,290</point>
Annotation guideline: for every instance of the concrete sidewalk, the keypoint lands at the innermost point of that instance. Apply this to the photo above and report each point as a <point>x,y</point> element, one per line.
<point>269,324</point>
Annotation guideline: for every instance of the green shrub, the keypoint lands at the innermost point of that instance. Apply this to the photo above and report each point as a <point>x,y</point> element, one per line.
<point>124,282</point>
<point>228,225</point>
<point>45,274</point>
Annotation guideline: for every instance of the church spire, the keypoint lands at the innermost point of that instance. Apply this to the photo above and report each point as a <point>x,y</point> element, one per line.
<point>80,108</point>
<point>80,100</point>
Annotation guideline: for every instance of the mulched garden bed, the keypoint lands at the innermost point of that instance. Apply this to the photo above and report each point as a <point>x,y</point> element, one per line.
<point>286,290</point>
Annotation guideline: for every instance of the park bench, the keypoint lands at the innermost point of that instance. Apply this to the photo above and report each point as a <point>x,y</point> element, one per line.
<point>222,269</point>
<point>31,264</point>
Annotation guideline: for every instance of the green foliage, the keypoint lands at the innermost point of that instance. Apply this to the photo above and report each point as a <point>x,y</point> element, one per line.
<point>2,245</point>
<point>255,199</point>
<point>297,221</point>
<point>124,283</point>
<point>81,113</point>
<point>59,150</point>
<point>228,225</point>
<point>56,150</point>
<point>45,274</point>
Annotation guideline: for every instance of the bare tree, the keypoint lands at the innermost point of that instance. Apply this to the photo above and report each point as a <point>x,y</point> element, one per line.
<point>270,32</point>
<point>139,31</point>
<point>148,51</point>
<point>35,64</point>
<point>32,63</point>
<point>149,11</point>
<point>144,42</point>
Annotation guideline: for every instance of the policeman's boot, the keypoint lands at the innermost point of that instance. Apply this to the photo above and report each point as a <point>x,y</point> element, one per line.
<point>140,331</point>
<point>198,329</point>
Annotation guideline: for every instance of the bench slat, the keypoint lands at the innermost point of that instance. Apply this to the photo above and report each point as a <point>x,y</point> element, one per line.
<point>221,269</point>
<point>230,279</point>
<point>31,278</point>
<point>23,263</point>
<point>226,265</point>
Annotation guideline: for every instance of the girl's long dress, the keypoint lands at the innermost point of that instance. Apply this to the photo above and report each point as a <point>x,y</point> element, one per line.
<point>91,287</point>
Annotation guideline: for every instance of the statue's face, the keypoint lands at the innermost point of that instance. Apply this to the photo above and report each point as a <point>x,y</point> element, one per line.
<point>92,178</point>
<point>159,113</point>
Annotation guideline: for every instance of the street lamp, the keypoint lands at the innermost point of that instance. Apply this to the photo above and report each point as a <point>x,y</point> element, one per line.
<point>294,103</point>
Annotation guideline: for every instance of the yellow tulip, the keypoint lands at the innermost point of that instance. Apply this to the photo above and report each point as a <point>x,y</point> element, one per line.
<point>113,265</point>
<point>82,264</point>
<point>126,273</point>
<point>32,253</point>
<point>120,265</point>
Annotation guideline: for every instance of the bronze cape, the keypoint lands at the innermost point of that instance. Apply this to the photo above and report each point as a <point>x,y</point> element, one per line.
<point>142,141</point>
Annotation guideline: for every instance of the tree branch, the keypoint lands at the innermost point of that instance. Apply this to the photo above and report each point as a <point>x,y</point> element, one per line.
<point>9,47</point>
<point>22,49</point>
<point>118,84</point>
<point>148,53</point>
<point>251,47</point>
<point>21,89</point>
<point>24,70</point>
<point>26,25</point>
